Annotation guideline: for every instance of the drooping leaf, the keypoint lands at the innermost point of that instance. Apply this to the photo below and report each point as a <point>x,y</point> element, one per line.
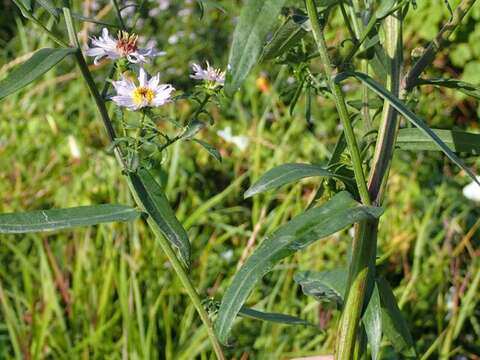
<point>314,224</point>
<point>409,115</point>
<point>457,141</point>
<point>372,320</point>
<point>58,219</point>
<point>42,61</point>
<point>287,35</point>
<point>160,214</point>
<point>272,317</point>
<point>256,20</point>
<point>462,86</point>
<point>394,326</point>
<point>324,285</point>
<point>286,174</point>
<point>212,150</point>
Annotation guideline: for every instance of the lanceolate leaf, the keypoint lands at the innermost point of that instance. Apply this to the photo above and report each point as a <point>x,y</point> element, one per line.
<point>287,35</point>
<point>42,61</point>
<point>212,150</point>
<point>372,321</point>
<point>393,323</point>
<point>466,88</point>
<point>272,317</point>
<point>457,141</point>
<point>314,224</point>
<point>324,285</point>
<point>57,219</point>
<point>410,116</point>
<point>161,215</point>
<point>286,174</point>
<point>256,20</point>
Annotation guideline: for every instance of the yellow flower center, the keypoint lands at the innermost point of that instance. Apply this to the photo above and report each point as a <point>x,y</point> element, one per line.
<point>142,94</point>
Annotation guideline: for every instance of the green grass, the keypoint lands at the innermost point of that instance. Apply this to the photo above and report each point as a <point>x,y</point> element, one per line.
<point>108,291</point>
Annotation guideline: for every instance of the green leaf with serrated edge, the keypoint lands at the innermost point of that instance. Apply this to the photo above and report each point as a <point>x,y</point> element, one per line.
<point>156,205</point>
<point>409,115</point>
<point>394,326</point>
<point>314,224</point>
<point>272,317</point>
<point>256,20</point>
<point>287,35</point>
<point>457,141</point>
<point>212,150</point>
<point>58,219</point>
<point>286,174</point>
<point>22,75</point>
<point>324,285</point>
<point>462,86</point>
<point>372,321</point>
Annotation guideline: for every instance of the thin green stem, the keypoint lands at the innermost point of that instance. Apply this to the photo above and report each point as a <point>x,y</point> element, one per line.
<point>339,102</point>
<point>119,14</point>
<point>164,244</point>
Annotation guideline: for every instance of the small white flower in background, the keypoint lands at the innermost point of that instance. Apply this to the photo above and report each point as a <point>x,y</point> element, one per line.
<point>472,191</point>
<point>213,77</point>
<point>124,46</point>
<point>240,141</point>
<point>148,93</point>
<point>74,148</point>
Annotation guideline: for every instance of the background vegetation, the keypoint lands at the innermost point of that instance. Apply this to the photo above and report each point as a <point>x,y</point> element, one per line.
<point>108,292</point>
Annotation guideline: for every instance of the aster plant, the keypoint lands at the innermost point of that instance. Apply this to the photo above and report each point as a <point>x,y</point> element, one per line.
<point>130,106</point>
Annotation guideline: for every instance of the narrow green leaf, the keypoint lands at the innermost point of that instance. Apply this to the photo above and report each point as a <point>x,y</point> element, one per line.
<point>272,317</point>
<point>286,174</point>
<point>314,224</point>
<point>385,8</point>
<point>457,141</point>
<point>464,87</point>
<point>324,285</point>
<point>156,205</point>
<point>212,150</point>
<point>42,61</point>
<point>393,323</point>
<point>192,129</point>
<point>57,219</point>
<point>372,320</point>
<point>47,5</point>
<point>256,20</point>
<point>92,20</point>
<point>410,116</point>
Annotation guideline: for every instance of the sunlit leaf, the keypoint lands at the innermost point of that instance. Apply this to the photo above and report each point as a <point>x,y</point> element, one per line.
<point>462,86</point>
<point>272,317</point>
<point>160,214</point>
<point>58,219</point>
<point>286,174</point>
<point>372,321</point>
<point>256,20</point>
<point>42,61</point>
<point>314,224</point>
<point>324,285</point>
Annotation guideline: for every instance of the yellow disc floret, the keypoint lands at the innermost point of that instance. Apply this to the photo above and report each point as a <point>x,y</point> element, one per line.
<point>143,94</point>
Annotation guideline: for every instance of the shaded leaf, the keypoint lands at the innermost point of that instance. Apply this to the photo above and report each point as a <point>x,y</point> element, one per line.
<point>57,219</point>
<point>256,20</point>
<point>47,5</point>
<point>212,150</point>
<point>394,326</point>
<point>464,87</point>
<point>314,224</point>
<point>272,317</point>
<point>160,213</point>
<point>286,174</point>
<point>372,320</point>
<point>92,20</point>
<point>409,115</point>
<point>42,61</point>
<point>457,141</point>
<point>192,129</point>
<point>324,285</point>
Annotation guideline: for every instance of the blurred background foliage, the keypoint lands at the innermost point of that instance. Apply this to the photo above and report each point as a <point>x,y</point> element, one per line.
<point>108,292</point>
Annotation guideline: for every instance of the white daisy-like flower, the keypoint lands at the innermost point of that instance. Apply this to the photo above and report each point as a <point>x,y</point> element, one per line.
<point>124,46</point>
<point>148,93</point>
<point>472,191</point>
<point>213,77</point>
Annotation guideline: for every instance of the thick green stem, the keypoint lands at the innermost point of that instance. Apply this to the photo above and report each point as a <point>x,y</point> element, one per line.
<point>339,102</point>
<point>164,244</point>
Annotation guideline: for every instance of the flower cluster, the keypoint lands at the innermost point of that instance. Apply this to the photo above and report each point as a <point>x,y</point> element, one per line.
<point>145,92</point>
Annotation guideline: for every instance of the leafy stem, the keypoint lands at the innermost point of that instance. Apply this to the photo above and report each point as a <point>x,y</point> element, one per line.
<point>137,189</point>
